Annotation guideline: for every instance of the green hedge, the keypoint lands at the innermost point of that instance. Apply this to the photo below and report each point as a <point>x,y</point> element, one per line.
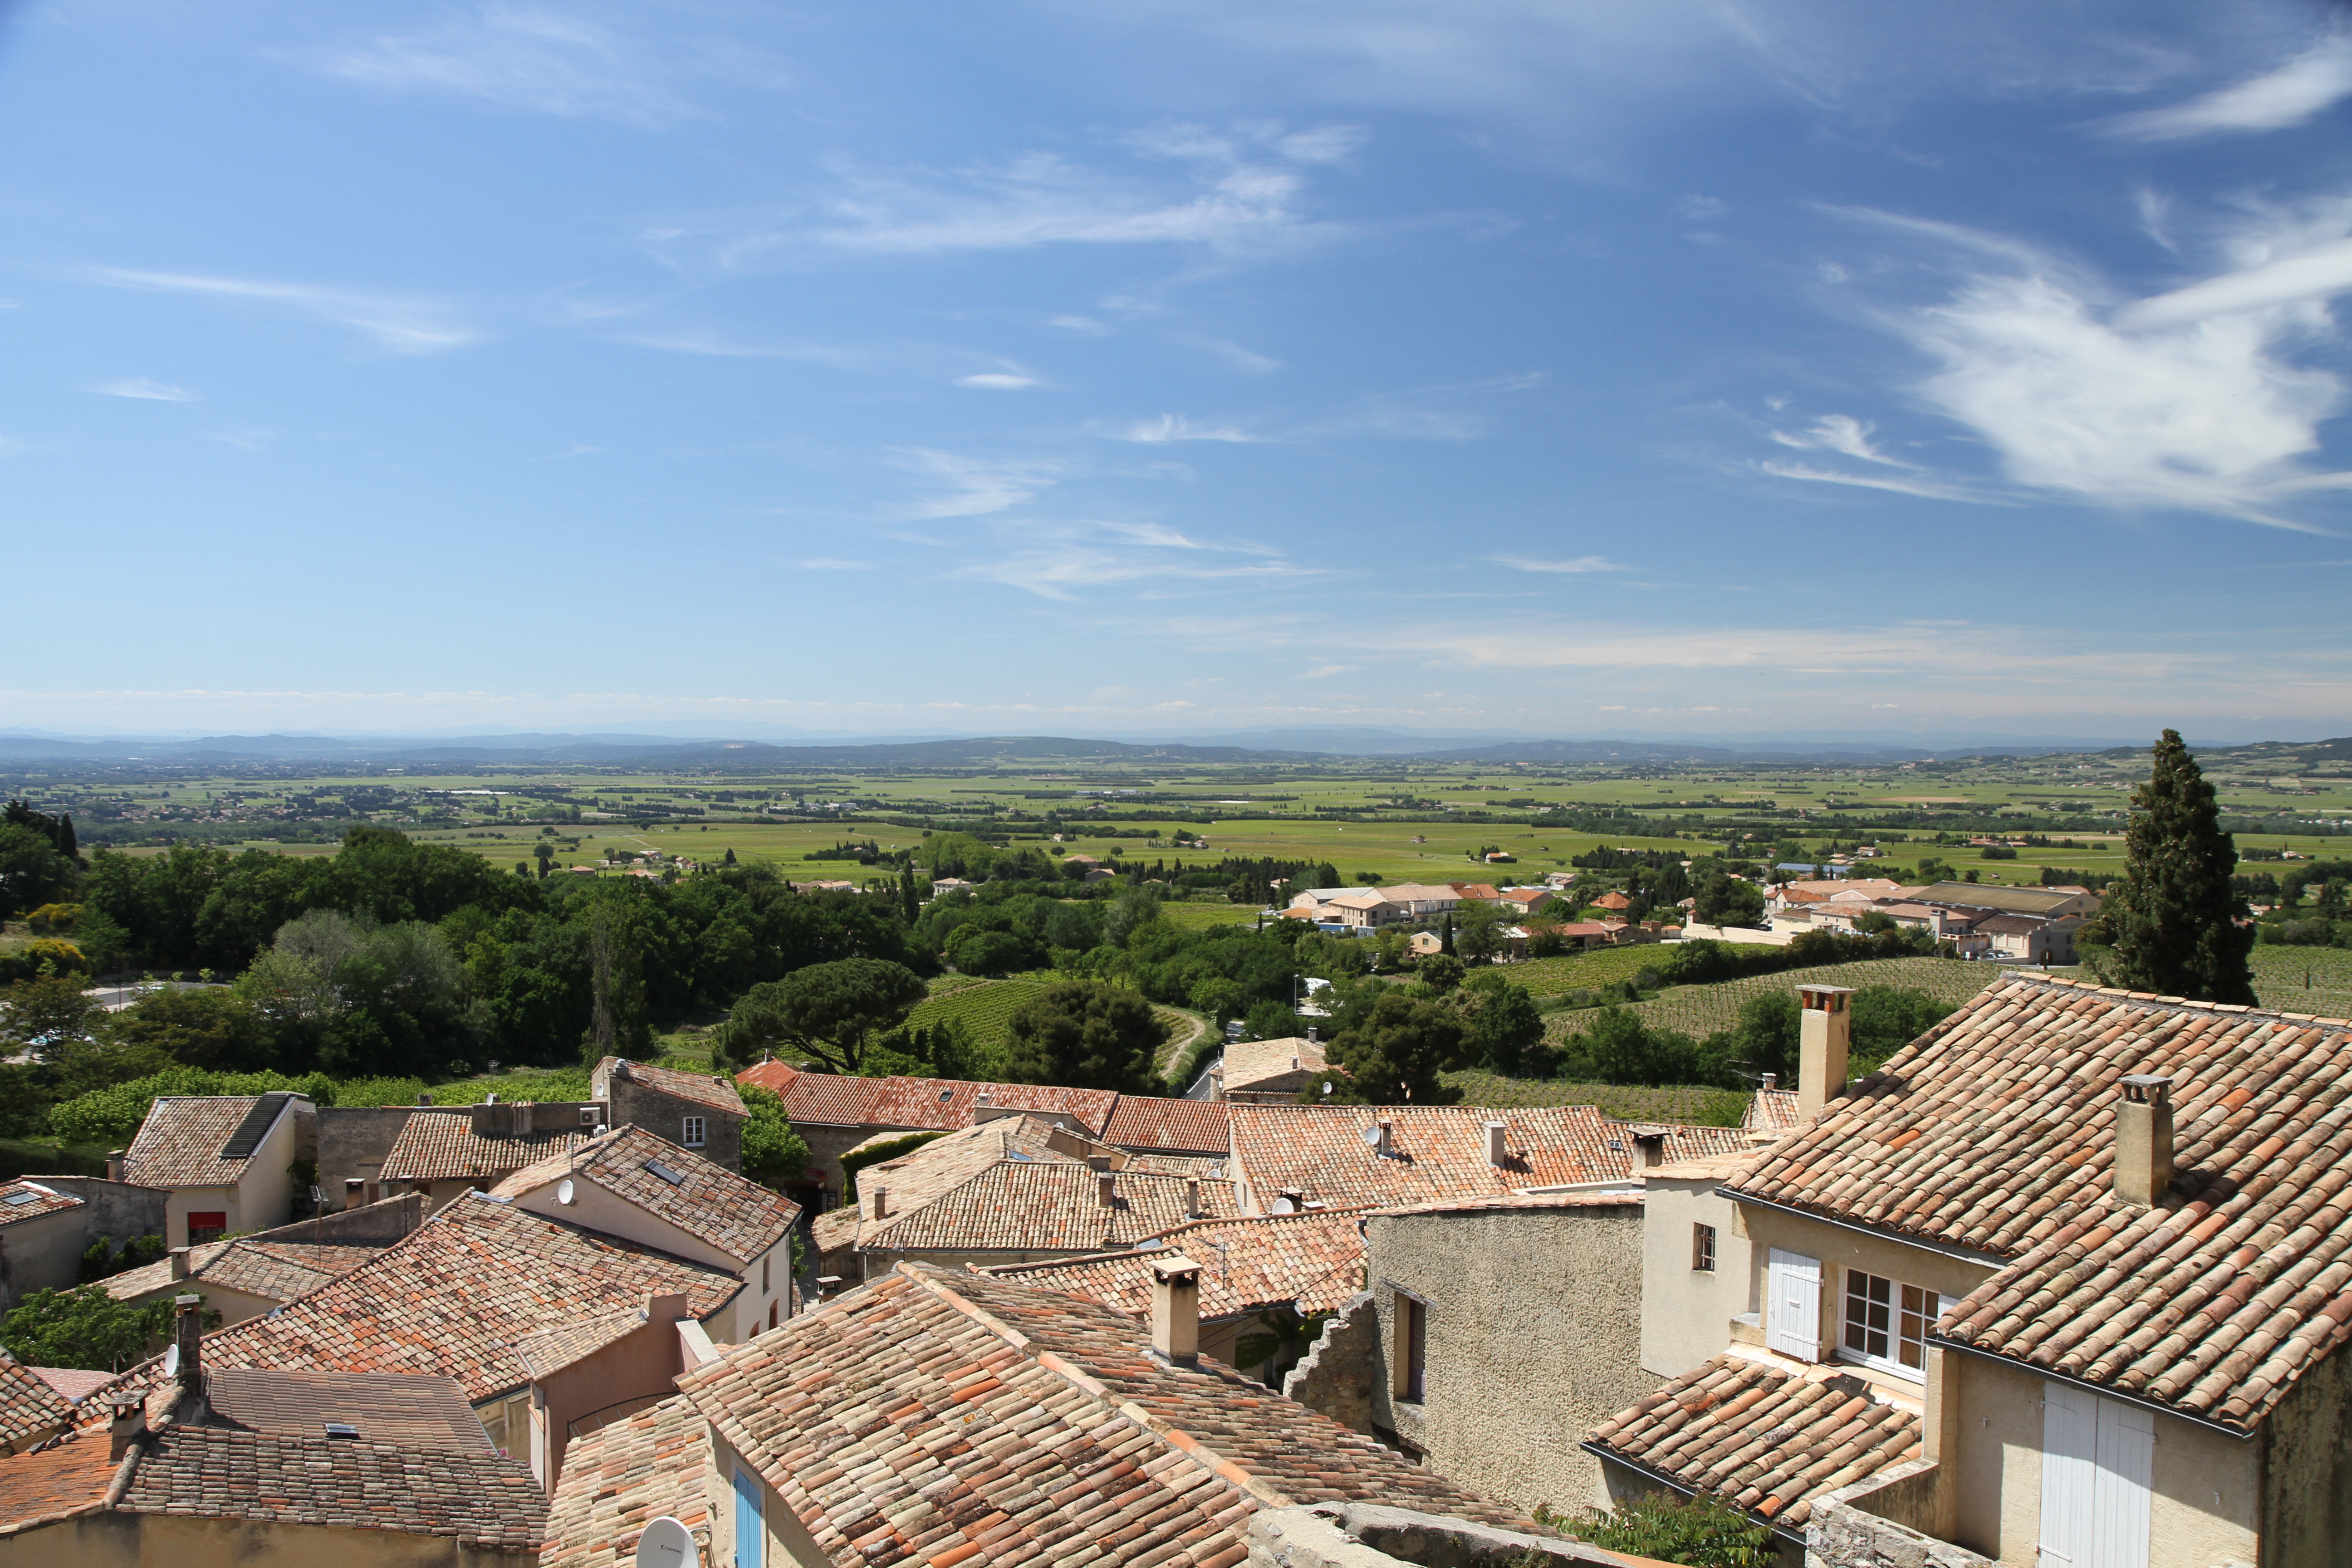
<point>858,1159</point>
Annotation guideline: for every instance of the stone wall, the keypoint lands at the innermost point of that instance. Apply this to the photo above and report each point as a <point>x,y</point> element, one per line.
<point>663,1116</point>
<point>353,1142</point>
<point>1364,1535</point>
<point>117,1209</point>
<point>1852,1527</point>
<point>1336,1377</point>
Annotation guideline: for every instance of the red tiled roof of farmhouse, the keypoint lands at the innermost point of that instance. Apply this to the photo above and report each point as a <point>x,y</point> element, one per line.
<point>621,1476</point>
<point>1191,1126</point>
<point>934,1416</point>
<point>1996,1131</point>
<point>1438,1151</point>
<point>30,1200</point>
<point>1313,1261</point>
<point>27,1403</point>
<point>440,1144</point>
<point>454,1295</point>
<point>184,1141</point>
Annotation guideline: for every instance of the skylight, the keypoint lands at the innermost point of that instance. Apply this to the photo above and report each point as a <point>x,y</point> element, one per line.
<point>21,1198</point>
<point>665,1172</point>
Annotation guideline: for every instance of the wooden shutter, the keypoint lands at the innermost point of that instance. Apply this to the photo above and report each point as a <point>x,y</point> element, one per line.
<point>2069,1475</point>
<point>1792,1309</point>
<point>2119,1508</point>
<point>750,1535</point>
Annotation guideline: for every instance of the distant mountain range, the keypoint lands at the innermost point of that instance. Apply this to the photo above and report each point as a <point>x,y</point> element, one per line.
<point>1295,744</point>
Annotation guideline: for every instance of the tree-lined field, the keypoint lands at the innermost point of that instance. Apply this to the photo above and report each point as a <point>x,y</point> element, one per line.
<point>1699,1011</point>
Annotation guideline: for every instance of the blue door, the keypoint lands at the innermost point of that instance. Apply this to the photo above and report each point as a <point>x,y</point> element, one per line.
<point>750,1537</point>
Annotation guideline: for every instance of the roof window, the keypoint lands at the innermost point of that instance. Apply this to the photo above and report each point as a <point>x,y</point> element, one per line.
<point>22,1197</point>
<point>664,1173</point>
<point>342,1429</point>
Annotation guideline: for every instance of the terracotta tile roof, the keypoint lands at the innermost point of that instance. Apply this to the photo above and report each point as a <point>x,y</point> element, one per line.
<point>1018,1205</point>
<point>30,1200</point>
<point>406,1411</point>
<point>203,1472</point>
<point>1251,1062</point>
<point>456,1294</point>
<point>943,1103</point>
<point>27,1403</point>
<point>1767,1438</point>
<point>708,1202</point>
<point>54,1483</point>
<point>1144,1123</point>
<point>1772,1110</point>
<point>703,1088</point>
<point>180,1142</point>
<point>621,1476</point>
<point>72,1383</point>
<point>1440,1151</point>
<point>1313,1261</point>
<point>146,1279</point>
<point>441,1145</point>
<point>934,1417</point>
<point>1995,1131</point>
<point>552,1350</point>
<point>831,1099</point>
<point>281,1270</point>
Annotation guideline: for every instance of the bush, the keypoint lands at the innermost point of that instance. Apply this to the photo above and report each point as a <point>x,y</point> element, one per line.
<point>1700,1532</point>
<point>858,1159</point>
<point>84,1328</point>
<point>24,962</point>
<point>773,1153</point>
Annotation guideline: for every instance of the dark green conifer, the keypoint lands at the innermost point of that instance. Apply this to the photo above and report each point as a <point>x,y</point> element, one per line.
<point>2173,918</point>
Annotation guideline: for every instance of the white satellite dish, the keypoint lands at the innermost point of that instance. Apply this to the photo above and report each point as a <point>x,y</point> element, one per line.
<point>1371,1135</point>
<point>172,1361</point>
<point>665,1543</point>
<point>564,1190</point>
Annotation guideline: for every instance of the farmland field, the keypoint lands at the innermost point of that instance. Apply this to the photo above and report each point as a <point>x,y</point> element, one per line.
<point>2316,980</point>
<point>1699,1011</point>
<point>983,1006</point>
<point>1585,971</point>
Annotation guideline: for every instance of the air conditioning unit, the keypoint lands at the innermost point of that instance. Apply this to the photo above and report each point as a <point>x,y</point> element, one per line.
<point>587,1116</point>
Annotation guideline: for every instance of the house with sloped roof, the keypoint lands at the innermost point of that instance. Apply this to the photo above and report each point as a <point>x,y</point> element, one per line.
<point>1261,1071</point>
<point>1254,1270</point>
<point>32,1410</point>
<point>942,1418</point>
<point>2067,1280</point>
<point>1007,1191</point>
<point>247,1275</point>
<point>629,1183</point>
<point>701,1111</point>
<point>227,1161</point>
<point>270,1467</point>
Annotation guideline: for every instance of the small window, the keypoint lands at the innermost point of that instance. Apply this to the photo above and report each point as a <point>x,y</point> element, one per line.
<point>766,1263</point>
<point>1886,1322</point>
<point>204,1228</point>
<point>1703,1248</point>
<point>693,1139</point>
<point>1416,1347</point>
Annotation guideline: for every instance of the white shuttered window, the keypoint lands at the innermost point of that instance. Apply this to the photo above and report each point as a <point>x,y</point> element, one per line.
<point>2097,1455</point>
<point>1793,1304</point>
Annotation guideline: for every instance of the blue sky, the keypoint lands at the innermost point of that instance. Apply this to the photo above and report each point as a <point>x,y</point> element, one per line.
<point>1060,368</point>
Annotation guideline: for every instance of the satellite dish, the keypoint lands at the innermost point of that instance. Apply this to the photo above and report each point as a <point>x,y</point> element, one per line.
<point>1371,1135</point>
<point>172,1361</point>
<point>666,1545</point>
<point>564,1190</point>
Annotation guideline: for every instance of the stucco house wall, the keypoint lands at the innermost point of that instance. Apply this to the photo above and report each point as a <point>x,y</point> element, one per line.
<point>2205,1487</point>
<point>42,1253</point>
<point>664,1115</point>
<point>1533,1338</point>
<point>1686,1312</point>
<point>2306,1505</point>
<point>118,1209</point>
<point>594,1208</point>
<point>352,1144</point>
<point>1838,1249</point>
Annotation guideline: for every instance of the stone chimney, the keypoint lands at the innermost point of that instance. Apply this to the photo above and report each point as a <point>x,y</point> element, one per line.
<point>118,1163</point>
<point>423,1097</point>
<point>1384,1140</point>
<point>129,1425</point>
<point>1192,1197</point>
<point>664,1307</point>
<point>1176,1310</point>
<point>188,1339</point>
<point>1496,1155</point>
<point>1771,1082</point>
<point>179,1263</point>
<point>1653,1147</point>
<point>1826,1034</point>
<point>881,1209</point>
<point>1104,1195</point>
<point>354,1192</point>
<point>2143,1139</point>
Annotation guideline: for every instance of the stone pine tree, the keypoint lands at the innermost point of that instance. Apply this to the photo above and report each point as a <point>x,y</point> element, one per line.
<point>2174,919</point>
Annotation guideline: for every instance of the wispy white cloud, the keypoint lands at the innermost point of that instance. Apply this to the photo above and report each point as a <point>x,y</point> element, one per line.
<point>714,346</point>
<point>1576,566</point>
<point>1325,671</point>
<point>978,485</point>
<point>140,386</point>
<point>1841,433</point>
<point>1249,362</point>
<point>997,381</point>
<point>1177,427</point>
<point>396,324</point>
<point>547,61</point>
<point>1929,488</point>
<point>255,440</point>
<point>2289,94</point>
<point>2186,402</point>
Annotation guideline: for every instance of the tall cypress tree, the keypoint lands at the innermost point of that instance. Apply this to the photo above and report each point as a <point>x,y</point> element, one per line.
<point>2173,917</point>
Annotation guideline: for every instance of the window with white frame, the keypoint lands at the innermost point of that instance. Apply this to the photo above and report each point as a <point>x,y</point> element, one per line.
<point>1886,1322</point>
<point>693,1138</point>
<point>1703,1248</point>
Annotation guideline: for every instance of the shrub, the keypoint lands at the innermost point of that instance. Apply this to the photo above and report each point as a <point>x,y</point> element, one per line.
<point>858,1159</point>
<point>1699,1532</point>
<point>110,1116</point>
<point>24,962</point>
